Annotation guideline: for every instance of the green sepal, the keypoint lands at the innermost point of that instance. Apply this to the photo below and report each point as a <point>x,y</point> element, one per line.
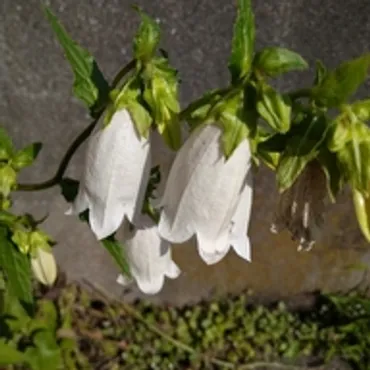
<point>274,61</point>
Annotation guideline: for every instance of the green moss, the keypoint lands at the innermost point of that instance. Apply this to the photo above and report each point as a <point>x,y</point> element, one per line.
<point>97,334</point>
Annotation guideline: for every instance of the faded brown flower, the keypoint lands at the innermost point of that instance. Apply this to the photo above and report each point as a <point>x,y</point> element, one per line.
<point>300,209</point>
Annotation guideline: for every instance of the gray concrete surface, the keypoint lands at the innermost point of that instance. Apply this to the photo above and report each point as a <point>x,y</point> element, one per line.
<point>36,104</point>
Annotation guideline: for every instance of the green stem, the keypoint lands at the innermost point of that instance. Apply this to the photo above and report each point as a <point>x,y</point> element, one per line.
<point>123,72</point>
<point>55,180</point>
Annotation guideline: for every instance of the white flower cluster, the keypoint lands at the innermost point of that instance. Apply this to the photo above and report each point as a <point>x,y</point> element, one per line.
<point>204,195</point>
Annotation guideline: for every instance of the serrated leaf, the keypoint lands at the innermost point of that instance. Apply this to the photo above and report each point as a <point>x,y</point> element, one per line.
<point>275,109</point>
<point>90,85</point>
<point>147,38</point>
<point>6,145</point>
<point>243,41</point>
<point>274,61</point>
<point>341,83</point>
<point>330,165</point>
<point>16,267</point>
<point>26,156</point>
<point>117,252</point>
<point>9,355</point>
<point>299,151</point>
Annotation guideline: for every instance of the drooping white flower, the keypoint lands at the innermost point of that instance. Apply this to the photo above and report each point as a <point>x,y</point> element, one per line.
<point>116,173</point>
<point>149,257</point>
<point>202,193</point>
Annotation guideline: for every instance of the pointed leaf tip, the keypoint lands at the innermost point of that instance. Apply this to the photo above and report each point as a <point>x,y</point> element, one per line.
<point>243,41</point>
<point>89,85</point>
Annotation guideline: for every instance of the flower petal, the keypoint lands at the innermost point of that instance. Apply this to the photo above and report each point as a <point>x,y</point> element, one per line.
<point>116,173</point>
<point>149,257</point>
<point>212,251</point>
<point>240,221</point>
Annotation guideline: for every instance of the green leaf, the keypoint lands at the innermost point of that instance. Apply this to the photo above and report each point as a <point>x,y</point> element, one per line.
<point>270,159</point>
<point>45,355</point>
<point>117,252</point>
<point>243,42</point>
<point>338,85</point>
<point>16,316</point>
<point>361,109</point>
<point>16,267</point>
<point>147,37</point>
<point>8,179</point>
<point>339,133</point>
<point>355,158</point>
<point>232,122</point>
<point>299,151</point>
<point>6,145</point>
<point>26,156</point>
<point>275,109</point>
<point>39,239</point>
<point>7,218</point>
<point>89,85</point>
<point>21,238</point>
<point>275,61</point>
<point>141,118</point>
<point>330,165</point>
<point>9,355</point>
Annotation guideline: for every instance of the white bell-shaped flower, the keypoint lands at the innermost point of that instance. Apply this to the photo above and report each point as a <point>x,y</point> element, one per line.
<point>117,170</point>
<point>202,193</point>
<point>149,258</point>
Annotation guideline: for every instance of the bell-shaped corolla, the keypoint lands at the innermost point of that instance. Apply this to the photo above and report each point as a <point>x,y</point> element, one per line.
<point>149,257</point>
<point>203,195</point>
<point>116,174</point>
